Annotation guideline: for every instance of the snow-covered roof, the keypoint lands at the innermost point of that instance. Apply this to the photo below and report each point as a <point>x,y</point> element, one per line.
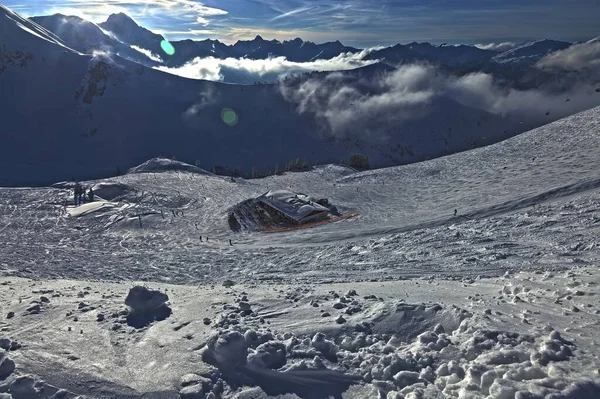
<point>295,206</point>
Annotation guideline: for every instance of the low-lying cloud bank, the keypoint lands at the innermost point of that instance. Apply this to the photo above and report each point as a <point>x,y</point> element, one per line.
<point>247,71</point>
<point>582,56</point>
<point>345,105</point>
<point>148,53</point>
<point>500,47</point>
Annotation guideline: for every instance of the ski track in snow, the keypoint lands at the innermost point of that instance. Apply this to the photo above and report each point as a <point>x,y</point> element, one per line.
<point>500,301</point>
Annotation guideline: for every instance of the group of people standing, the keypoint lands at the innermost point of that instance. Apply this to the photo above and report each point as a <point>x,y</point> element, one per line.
<point>81,196</point>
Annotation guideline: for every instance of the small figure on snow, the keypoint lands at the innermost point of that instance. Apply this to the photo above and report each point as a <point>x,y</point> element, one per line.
<point>455,212</point>
<point>90,195</point>
<point>230,243</point>
<point>76,194</point>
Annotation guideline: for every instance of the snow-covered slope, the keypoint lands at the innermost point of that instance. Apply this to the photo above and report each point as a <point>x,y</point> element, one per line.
<point>497,301</point>
<point>22,34</point>
<point>88,38</point>
<point>530,52</point>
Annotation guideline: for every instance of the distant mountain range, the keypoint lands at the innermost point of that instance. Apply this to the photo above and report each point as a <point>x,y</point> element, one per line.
<point>119,32</point>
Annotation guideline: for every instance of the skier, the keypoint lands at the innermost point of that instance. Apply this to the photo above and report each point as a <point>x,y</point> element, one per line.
<point>230,243</point>
<point>77,194</point>
<point>455,212</point>
<point>82,195</point>
<point>91,195</point>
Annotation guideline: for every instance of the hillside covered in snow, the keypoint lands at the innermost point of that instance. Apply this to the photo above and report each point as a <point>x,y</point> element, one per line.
<point>471,275</point>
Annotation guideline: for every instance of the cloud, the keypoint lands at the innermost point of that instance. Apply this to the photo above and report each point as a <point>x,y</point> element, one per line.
<point>189,32</point>
<point>348,106</point>
<point>292,12</point>
<point>578,57</point>
<point>500,47</point>
<point>96,10</point>
<point>202,21</point>
<point>147,53</point>
<point>248,71</point>
<point>205,98</point>
<point>202,9</point>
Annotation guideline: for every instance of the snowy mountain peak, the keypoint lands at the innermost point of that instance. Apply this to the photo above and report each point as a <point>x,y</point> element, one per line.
<point>128,31</point>
<point>120,19</point>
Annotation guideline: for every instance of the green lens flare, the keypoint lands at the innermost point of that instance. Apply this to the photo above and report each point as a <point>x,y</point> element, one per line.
<point>229,116</point>
<point>167,47</point>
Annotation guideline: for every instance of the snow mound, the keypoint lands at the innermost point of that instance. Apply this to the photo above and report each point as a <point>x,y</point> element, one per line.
<point>112,190</point>
<point>146,306</point>
<point>409,320</point>
<point>141,298</point>
<point>90,207</point>
<point>64,185</point>
<point>166,165</point>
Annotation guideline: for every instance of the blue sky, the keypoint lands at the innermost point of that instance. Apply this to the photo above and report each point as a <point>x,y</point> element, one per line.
<point>361,23</point>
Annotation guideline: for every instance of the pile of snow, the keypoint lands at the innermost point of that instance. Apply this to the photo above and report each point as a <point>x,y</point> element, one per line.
<point>146,306</point>
<point>90,207</point>
<point>112,190</point>
<point>166,165</point>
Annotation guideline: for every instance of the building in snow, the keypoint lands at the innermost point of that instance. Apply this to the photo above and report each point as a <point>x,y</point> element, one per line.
<point>297,208</point>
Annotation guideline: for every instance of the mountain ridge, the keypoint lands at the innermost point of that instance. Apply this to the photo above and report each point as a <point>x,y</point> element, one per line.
<point>124,29</point>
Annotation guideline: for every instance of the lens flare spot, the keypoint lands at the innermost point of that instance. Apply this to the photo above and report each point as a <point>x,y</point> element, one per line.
<point>229,116</point>
<point>167,47</point>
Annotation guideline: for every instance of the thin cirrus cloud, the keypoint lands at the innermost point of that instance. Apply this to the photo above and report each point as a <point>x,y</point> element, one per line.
<point>149,11</point>
<point>292,12</point>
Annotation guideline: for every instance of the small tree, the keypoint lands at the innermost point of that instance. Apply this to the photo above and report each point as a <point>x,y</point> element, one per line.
<point>359,161</point>
<point>296,165</point>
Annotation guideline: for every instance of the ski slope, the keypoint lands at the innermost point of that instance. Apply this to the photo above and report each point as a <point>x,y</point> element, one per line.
<point>499,301</point>
<point>176,208</point>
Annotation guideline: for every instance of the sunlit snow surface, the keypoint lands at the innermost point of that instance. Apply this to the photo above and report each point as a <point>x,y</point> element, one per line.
<point>400,210</point>
<point>499,299</point>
